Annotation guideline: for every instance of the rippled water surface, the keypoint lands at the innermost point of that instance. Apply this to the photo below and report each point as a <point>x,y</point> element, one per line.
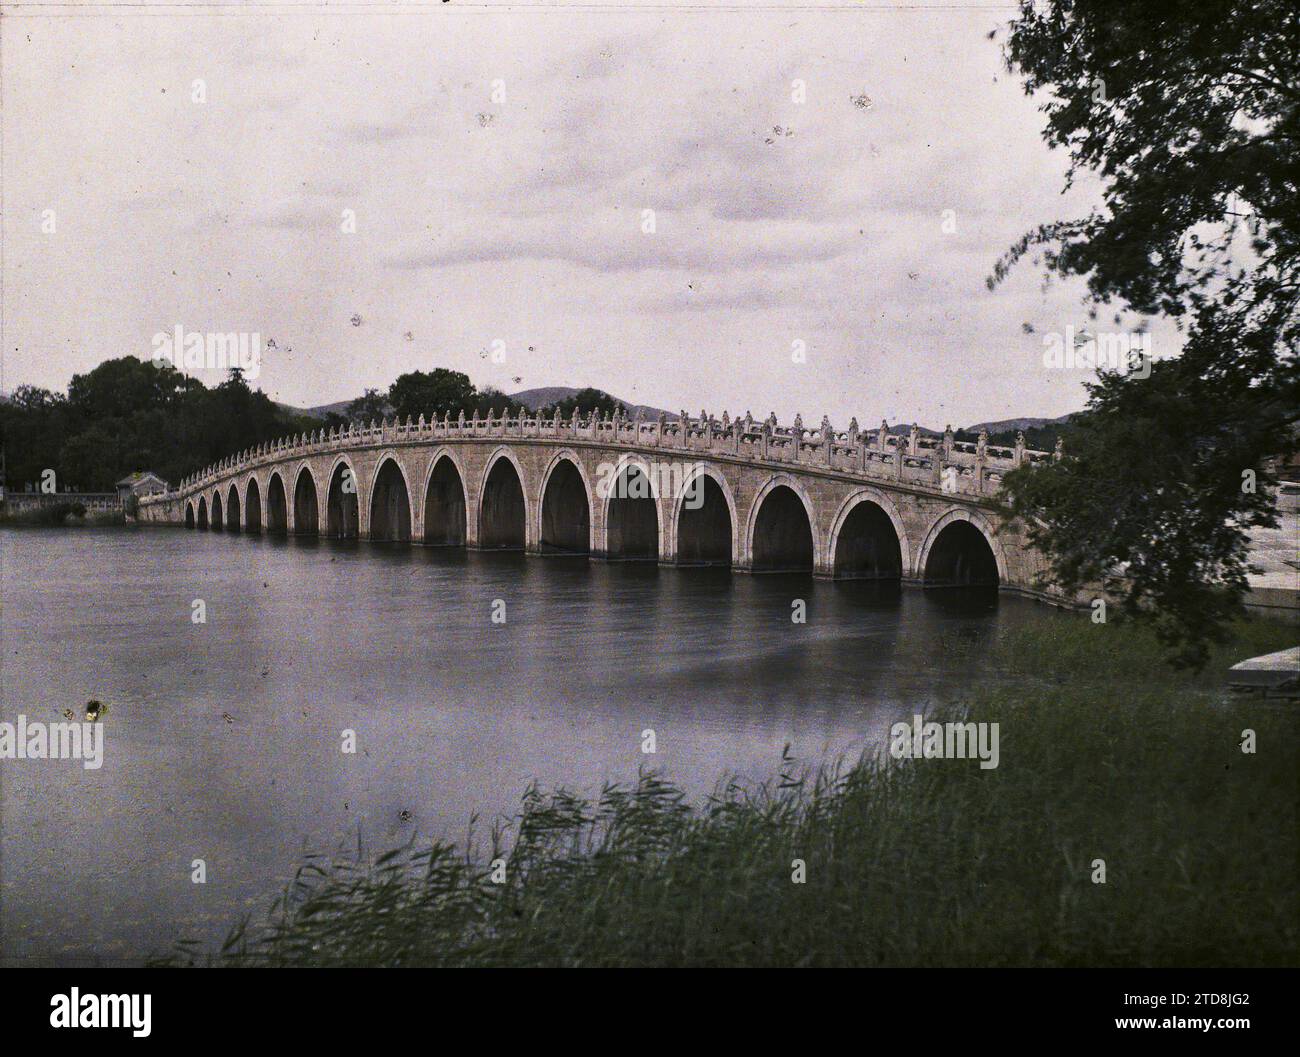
<point>223,740</point>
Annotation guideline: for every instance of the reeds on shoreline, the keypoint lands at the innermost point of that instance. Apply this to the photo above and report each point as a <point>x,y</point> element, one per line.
<point>1106,759</point>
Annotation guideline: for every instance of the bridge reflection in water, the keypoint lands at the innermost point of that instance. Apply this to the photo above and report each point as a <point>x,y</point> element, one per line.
<point>756,497</point>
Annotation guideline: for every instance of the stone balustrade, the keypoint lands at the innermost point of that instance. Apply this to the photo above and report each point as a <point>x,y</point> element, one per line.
<point>912,459</point>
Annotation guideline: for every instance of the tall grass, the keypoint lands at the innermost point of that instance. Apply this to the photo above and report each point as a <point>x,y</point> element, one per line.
<point>929,862</point>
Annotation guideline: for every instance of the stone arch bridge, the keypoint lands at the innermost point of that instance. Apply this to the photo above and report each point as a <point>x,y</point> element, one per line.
<point>755,496</point>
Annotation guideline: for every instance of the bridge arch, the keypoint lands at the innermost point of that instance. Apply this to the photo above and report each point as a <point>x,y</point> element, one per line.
<point>940,537</point>
<point>503,503</point>
<point>868,539</point>
<point>782,531</point>
<point>445,500</point>
<point>252,505</point>
<point>277,507</point>
<point>306,503</point>
<point>342,504</point>
<point>564,506</point>
<point>390,502</point>
<point>705,534</point>
<point>233,519</point>
<point>961,548</point>
<point>631,519</point>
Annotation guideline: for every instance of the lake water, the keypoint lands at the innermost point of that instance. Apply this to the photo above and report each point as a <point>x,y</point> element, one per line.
<point>223,740</point>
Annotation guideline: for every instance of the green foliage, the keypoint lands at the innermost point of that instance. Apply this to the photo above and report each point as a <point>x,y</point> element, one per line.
<point>1191,115</point>
<point>432,393</point>
<point>1037,438</point>
<point>908,863</point>
<point>59,514</point>
<point>128,415</point>
<point>1152,503</point>
<point>585,401</point>
<point>370,406</point>
<point>1188,112</point>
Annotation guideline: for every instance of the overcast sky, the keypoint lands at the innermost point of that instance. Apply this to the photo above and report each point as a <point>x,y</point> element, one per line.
<point>521,220</point>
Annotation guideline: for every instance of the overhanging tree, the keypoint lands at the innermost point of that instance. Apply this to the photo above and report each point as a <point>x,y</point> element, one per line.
<point>1190,114</point>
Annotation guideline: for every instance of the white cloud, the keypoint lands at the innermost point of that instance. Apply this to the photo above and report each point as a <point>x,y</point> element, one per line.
<point>522,220</point>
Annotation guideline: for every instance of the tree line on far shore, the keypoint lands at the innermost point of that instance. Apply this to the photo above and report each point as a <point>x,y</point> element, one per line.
<point>129,414</point>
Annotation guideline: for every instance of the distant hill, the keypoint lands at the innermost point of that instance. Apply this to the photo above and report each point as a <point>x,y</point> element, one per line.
<point>321,410</point>
<point>901,430</point>
<point>552,394</point>
<point>1008,424</point>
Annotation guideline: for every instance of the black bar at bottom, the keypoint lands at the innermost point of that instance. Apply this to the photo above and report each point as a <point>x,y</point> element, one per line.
<point>339,1006</point>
